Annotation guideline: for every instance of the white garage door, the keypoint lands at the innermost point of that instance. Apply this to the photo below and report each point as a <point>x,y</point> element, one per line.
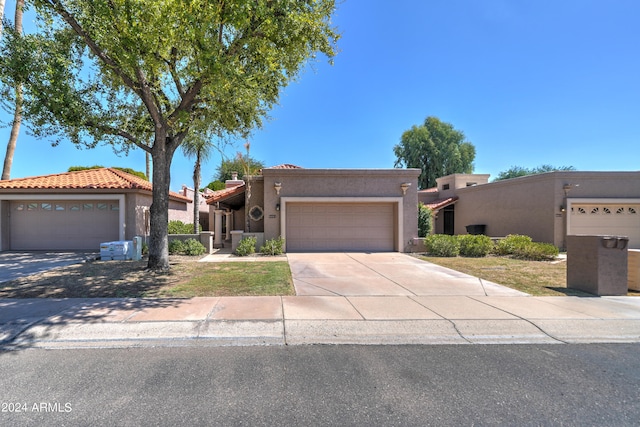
<point>607,219</point>
<point>340,227</point>
<point>62,225</point>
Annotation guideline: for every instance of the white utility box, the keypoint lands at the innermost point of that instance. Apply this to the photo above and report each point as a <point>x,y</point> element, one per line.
<point>118,250</point>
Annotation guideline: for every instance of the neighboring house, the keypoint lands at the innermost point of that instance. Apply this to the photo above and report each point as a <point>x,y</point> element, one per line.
<point>78,210</point>
<point>189,193</point>
<point>547,206</point>
<point>321,209</point>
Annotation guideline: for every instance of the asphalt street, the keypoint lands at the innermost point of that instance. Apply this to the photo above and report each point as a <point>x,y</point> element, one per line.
<point>569,385</point>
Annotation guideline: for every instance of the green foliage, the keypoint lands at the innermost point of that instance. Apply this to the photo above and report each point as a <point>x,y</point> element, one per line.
<point>474,246</point>
<point>176,247</point>
<point>442,245</point>
<point>239,164</point>
<point>517,171</point>
<point>522,247</point>
<point>437,149</point>
<point>145,249</point>
<point>273,247</point>
<point>127,170</point>
<point>246,246</point>
<point>511,244</point>
<point>179,227</point>
<point>189,247</point>
<point>424,220</point>
<point>215,185</point>
<point>192,247</point>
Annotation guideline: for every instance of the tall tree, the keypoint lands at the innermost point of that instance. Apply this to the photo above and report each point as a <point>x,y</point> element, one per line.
<point>200,148</point>
<point>17,112</point>
<point>437,149</point>
<point>516,171</point>
<point>149,74</point>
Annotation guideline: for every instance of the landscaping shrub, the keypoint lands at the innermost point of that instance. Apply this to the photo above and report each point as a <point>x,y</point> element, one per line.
<point>273,247</point>
<point>442,245</point>
<point>176,247</point>
<point>193,248</point>
<point>474,245</point>
<point>424,220</point>
<point>179,227</point>
<point>536,251</point>
<point>511,244</point>
<point>247,246</point>
<point>523,247</point>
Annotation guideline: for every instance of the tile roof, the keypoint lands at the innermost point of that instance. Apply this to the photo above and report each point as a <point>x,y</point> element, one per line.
<point>282,166</point>
<point>98,179</point>
<point>221,195</point>
<point>441,203</point>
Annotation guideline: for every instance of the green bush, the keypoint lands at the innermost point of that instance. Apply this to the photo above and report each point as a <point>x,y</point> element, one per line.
<point>536,251</point>
<point>523,247</point>
<point>176,247</point>
<point>247,246</point>
<point>193,247</point>
<point>273,247</point>
<point>442,245</point>
<point>474,245</point>
<point>512,244</point>
<point>424,220</point>
<point>179,227</point>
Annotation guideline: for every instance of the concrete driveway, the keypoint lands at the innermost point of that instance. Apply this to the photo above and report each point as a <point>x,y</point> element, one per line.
<point>383,274</point>
<point>15,264</point>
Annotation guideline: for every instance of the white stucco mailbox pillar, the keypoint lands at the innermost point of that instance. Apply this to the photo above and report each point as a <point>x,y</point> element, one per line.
<point>217,230</point>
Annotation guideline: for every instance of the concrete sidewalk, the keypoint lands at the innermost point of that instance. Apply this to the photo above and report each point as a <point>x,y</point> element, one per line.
<point>224,321</point>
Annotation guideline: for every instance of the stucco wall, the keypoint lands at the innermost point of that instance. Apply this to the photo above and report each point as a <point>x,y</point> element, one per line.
<point>254,196</point>
<point>342,183</point>
<point>5,242</point>
<point>137,204</point>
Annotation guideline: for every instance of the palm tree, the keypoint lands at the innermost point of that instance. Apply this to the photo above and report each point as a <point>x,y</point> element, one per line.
<point>200,147</point>
<point>17,115</point>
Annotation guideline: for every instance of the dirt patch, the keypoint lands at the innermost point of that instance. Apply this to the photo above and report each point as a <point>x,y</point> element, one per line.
<point>94,279</point>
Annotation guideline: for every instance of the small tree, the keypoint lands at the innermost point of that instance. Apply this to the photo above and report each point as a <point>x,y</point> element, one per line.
<point>517,171</point>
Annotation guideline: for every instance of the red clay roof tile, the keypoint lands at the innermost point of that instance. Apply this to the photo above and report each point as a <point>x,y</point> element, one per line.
<point>99,179</point>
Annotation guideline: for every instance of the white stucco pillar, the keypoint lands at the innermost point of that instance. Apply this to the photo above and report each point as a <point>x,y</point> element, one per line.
<point>228,216</point>
<point>217,235</point>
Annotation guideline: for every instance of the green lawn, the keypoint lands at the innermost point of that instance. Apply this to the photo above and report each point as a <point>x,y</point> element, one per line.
<point>229,279</point>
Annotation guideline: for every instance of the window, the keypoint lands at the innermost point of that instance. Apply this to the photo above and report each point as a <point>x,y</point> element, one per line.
<point>445,186</point>
<point>115,207</point>
<point>32,206</point>
<point>87,207</point>
<point>20,207</point>
<point>74,208</point>
<point>632,211</point>
<point>256,213</point>
<point>59,207</point>
<point>101,206</point>
<point>45,206</point>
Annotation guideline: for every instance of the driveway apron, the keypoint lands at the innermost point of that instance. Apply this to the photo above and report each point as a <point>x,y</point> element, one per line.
<point>16,264</point>
<point>382,274</point>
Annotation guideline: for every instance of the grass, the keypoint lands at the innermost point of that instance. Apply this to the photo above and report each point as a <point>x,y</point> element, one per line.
<point>130,279</point>
<point>539,278</point>
<point>230,279</point>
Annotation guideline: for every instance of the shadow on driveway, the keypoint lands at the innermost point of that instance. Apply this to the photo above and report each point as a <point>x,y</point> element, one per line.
<point>16,264</point>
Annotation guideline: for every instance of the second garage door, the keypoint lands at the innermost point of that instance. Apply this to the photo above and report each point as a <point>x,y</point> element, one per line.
<point>620,219</point>
<point>340,227</point>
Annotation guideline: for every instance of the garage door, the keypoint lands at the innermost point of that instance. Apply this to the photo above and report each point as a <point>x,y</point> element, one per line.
<point>607,219</point>
<point>62,225</point>
<point>340,227</point>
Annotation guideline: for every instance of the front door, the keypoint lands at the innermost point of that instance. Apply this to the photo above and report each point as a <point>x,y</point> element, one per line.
<point>449,220</point>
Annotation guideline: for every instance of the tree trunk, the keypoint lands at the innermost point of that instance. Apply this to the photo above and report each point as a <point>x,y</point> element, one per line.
<point>17,115</point>
<point>2,3</point>
<point>196,193</point>
<point>161,155</point>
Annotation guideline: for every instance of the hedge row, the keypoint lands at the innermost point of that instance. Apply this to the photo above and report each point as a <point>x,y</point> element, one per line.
<point>514,245</point>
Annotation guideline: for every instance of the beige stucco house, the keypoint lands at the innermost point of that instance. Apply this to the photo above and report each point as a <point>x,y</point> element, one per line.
<point>78,210</point>
<point>321,209</point>
<point>547,207</point>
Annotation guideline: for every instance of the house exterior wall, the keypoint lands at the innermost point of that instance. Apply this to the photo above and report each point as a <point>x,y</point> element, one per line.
<point>5,242</point>
<point>532,205</point>
<point>347,183</point>
<point>254,197</point>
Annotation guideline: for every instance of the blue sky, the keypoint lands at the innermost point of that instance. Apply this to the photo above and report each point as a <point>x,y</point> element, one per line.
<point>529,82</point>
